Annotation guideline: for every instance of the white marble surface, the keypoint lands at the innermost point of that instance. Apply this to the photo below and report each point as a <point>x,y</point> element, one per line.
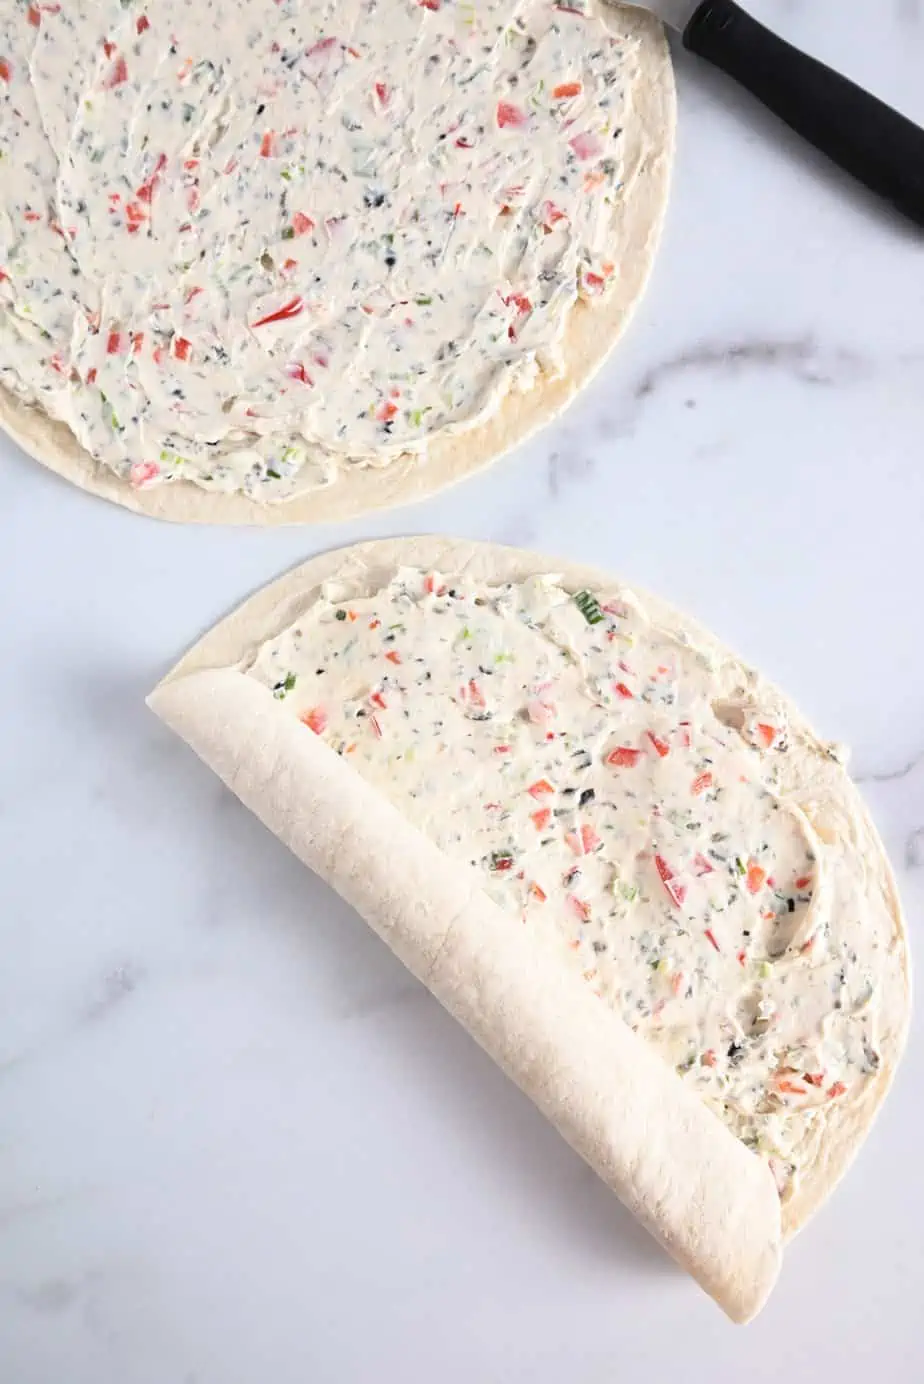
<point>237,1143</point>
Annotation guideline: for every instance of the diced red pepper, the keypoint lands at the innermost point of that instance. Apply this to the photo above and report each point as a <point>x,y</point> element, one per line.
<point>624,757</point>
<point>145,192</point>
<point>315,719</point>
<point>677,892</point>
<point>378,700</point>
<point>579,907</point>
<point>755,877</point>
<point>116,344</point>
<point>268,145</point>
<point>566,89</point>
<point>550,215</point>
<point>708,1058</point>
<point>586,145</point>
<point>135,216</point>
<point>766,734</point>
<point>141,472</point>
<point>589,839</point>
<point>142,23</point>
<point>837,1089</point>
<point>538,892</point>
<point>382,92</point>
<point>33,16</point>
<point>662,747</point>
<point>6,70</point>
<point>701,783</point>
<point>181,347</point>
<point>710,936</point>
<point>521,302</point>
<point>540,787</point>
<point>117,74</point>
<point>623,690</point>
<point>701,865</point>
<point>323,45</point>
<point>540,712</point>
<point>283,314</point>
<point>509,114</point>
<point>803,881</point>
<point>814,1078</point>
<point>386,411</point>
<point>302,224</point>
<point>541,819</point>
<point>393,656</point>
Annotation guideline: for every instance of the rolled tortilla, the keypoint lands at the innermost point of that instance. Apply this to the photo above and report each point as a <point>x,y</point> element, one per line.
<point>709,1201</point>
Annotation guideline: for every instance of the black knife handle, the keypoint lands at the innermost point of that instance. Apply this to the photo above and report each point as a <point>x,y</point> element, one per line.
<point>859,132</point>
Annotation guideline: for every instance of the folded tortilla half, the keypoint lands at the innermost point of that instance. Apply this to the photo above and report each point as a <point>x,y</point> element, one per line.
<point>497,761</point>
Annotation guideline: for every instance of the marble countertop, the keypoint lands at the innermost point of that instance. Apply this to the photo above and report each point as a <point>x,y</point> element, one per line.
<point>237,1141</point>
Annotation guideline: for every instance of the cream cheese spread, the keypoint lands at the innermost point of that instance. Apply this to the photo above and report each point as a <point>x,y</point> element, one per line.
<point>250,242</point>
<point>579,757</point>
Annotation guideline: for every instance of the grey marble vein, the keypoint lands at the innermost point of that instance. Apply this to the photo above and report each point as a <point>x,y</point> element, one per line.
<point>565,464</point>
<point>890,775</point>
<point>55,1295</point>
<point>801,357</point>
<point>113,990</point>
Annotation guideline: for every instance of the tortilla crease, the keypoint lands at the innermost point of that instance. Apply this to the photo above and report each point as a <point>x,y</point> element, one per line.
<point>814,778</point>
<point>590,335</point>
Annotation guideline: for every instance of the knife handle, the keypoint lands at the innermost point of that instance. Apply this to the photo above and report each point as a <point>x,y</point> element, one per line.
<point>859,132</point>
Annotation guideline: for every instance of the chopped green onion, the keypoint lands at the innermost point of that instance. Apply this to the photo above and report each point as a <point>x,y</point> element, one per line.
<point>589,607</point>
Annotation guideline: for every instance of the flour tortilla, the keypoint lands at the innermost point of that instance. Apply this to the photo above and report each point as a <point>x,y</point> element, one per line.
<point>590,335</point>
<point>815,779</point>
<point>711,1203</point>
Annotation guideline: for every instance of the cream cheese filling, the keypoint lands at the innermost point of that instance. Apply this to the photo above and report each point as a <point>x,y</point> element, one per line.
<point>249,243</point>
<point>588,764</point>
